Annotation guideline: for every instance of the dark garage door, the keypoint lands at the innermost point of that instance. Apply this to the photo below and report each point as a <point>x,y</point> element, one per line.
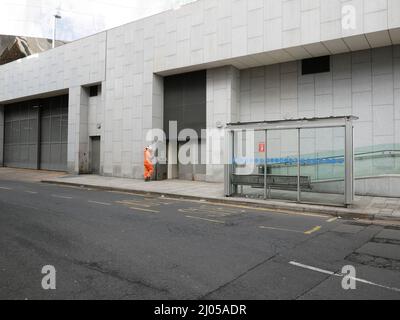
<point>54,134</point>
<point>185,101</point>
<point>21,136</point>
<point>37,137</point>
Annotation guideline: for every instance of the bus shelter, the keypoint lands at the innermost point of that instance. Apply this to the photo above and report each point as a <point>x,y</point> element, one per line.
<point>303,160</point>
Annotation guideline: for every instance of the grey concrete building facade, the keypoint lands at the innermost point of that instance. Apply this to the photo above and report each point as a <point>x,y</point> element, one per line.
<point>252,52</point>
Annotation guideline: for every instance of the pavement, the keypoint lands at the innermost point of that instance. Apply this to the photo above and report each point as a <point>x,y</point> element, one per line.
<point>371,208</point>
<point>28,175</point>
<point>117,245</point>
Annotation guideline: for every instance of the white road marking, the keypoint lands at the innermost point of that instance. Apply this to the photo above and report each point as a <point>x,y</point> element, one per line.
<point>100,203</point>
<point>250,208</point>
<point>296,264</point>
<point>219,212</point>
<point>303,266</point>
<point>31,192</point>
<point>61,197</point>
<point>136,203</point>
<point>281,229</point>
<point>332,220</point>
<point>204,219</point>
<point>145,210</point>
<point>5,188</point>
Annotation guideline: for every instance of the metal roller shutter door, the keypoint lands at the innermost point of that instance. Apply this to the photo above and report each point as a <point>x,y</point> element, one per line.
<point>54,134</point>
<point>36,134</point>
<point>21,136</point>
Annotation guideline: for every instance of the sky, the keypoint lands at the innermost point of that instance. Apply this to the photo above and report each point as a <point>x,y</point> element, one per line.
<point>80,18</point>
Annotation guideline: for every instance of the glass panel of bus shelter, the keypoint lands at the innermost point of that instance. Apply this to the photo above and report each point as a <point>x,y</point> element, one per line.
<point>322,165</point>
<point>282,155</point>
<point>249,162</point>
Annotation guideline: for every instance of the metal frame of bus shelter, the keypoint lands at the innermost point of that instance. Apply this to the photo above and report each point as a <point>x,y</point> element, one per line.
<point>345,122</point>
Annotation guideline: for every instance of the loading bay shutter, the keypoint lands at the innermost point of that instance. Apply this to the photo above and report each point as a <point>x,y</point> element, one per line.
<point>21,136</point>
<point>37,138</point>
<point>54,134</point>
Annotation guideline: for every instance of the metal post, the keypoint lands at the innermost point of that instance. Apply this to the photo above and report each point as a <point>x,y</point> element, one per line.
<point>229,140</point>
<point>54,32</point>
<point>349,163</point>
<point>232,163</point>
<point>265,165</point>
<point>298,166</point>
<point>56,17</point>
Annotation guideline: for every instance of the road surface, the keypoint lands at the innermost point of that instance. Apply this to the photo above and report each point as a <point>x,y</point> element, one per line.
<point>106,245</point>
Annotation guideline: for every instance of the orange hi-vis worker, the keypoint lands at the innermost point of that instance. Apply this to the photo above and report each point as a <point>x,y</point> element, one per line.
<point>148,164</point>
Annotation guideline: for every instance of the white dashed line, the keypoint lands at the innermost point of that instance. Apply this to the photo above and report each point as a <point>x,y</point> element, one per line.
<point>61,197</point>
<point>5,188</point>
<point>31,192</point>
<point>100,203</point>
<point>303,266</point>
<point>144,210</point>
<point>204,219</point>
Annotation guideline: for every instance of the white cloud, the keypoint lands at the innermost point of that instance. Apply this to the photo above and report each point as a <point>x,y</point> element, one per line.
<point>80,17</point>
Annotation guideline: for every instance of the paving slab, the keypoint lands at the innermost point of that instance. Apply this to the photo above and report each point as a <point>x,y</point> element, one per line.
<point>27,175</point>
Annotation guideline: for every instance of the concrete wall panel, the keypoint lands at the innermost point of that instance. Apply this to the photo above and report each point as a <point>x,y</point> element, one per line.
<point>361,84</point>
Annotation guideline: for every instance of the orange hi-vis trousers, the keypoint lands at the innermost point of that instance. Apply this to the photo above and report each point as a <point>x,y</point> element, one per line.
<point>148,165</point>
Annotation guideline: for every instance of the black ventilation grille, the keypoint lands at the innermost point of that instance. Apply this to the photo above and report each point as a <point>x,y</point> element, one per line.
<point>316,65</point>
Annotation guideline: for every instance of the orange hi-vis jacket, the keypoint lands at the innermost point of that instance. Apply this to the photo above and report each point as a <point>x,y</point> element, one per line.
<point>148,164</point>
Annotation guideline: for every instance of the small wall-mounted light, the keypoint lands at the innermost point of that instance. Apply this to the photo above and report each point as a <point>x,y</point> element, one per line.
<point>98,126</point>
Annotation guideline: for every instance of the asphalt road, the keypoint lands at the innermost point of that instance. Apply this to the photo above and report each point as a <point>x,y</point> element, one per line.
<point>107,245</point>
